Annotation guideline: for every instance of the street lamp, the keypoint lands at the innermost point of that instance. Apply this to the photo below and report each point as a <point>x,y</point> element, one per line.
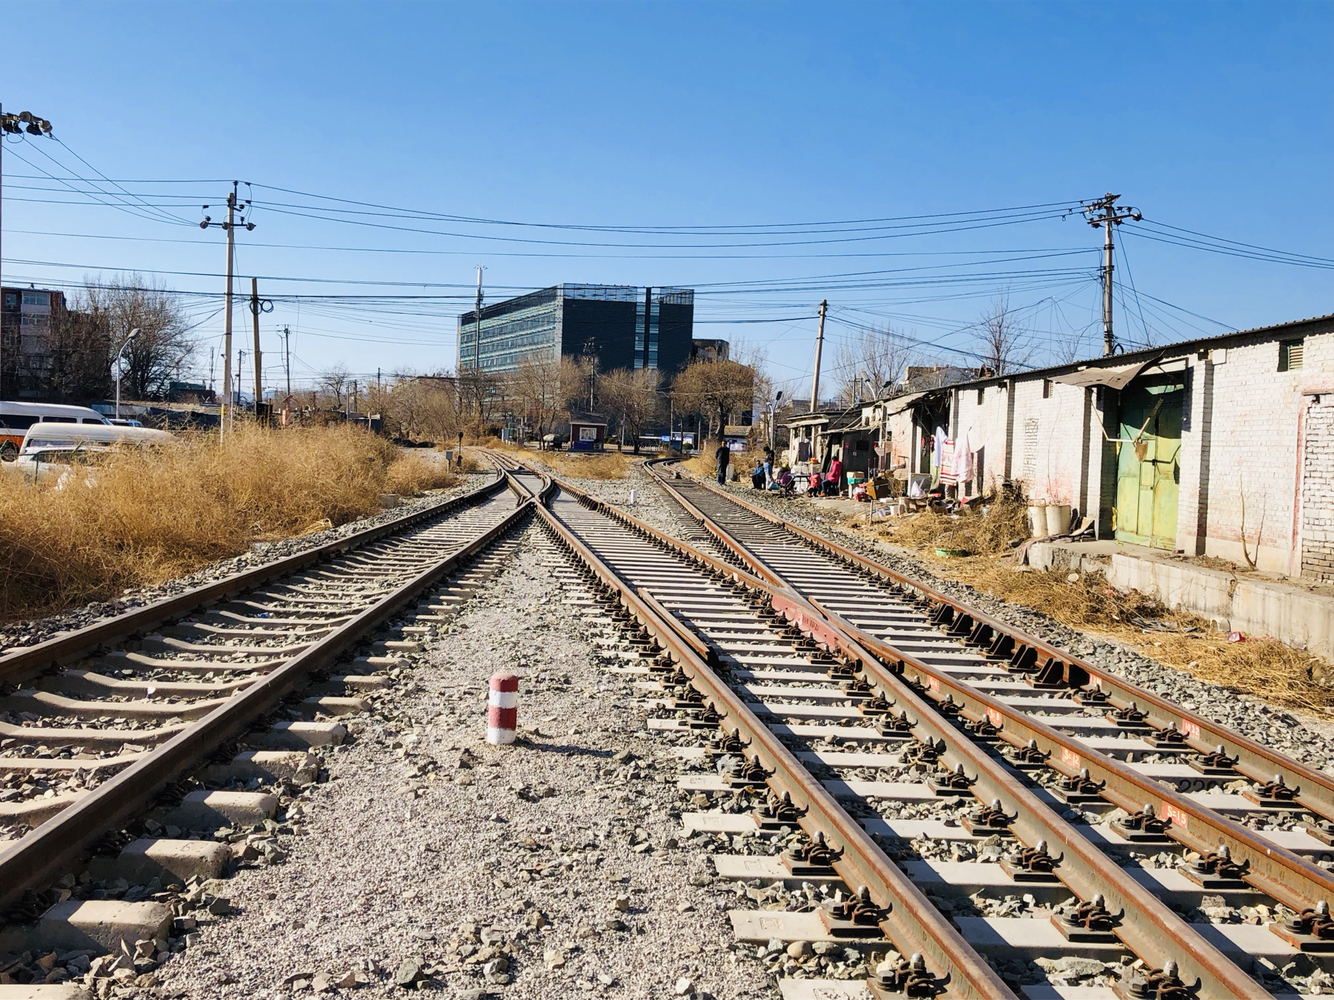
<point>23,123</point>
<point>778,398</point>
<point>128,340</point>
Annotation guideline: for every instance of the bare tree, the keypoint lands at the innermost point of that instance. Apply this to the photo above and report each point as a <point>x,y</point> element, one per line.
<point>714,389</point>
<point>335,381</point>
<point>80,357</point>
<point>543,387</point>
<point>1003,344</point>
<point>632,397</point>
<point>154,359</point>
<point>870,360</point>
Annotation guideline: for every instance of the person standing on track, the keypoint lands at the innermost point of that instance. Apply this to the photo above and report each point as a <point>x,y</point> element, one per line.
<point>723,455</point>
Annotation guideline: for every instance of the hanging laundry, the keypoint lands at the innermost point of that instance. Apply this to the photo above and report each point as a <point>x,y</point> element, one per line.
<point>963,458</point>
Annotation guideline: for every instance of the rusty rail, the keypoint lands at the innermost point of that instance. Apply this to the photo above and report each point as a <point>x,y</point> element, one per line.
<point>1161,936</point>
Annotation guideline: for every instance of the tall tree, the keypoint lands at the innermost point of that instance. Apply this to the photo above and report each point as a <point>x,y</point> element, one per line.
<point>714,389</point>
<point>870,359</point>
<point>632,397</point>
<point>164,346</point>
<point>1003,343</point>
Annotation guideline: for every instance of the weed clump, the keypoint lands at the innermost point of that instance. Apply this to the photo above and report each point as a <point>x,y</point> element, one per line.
<point>144,516</point>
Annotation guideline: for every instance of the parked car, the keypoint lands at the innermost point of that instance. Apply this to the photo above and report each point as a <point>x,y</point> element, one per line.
<point>16,418</point>
<point>123,422</point>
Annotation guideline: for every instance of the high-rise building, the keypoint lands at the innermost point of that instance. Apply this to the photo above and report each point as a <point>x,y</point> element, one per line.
<point>624,326</point>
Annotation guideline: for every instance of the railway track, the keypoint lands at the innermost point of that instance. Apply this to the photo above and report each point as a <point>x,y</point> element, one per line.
<point>156,747</point>
<point>830,675</point>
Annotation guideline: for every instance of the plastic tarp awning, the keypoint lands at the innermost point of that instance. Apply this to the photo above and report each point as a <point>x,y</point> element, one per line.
<point>1112,376</point>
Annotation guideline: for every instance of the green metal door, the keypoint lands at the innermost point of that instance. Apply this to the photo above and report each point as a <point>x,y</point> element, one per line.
<point>1148,470</point>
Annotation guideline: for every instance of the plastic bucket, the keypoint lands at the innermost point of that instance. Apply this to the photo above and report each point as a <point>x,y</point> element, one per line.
<point>1037,519</point>
<point>1058,519</point>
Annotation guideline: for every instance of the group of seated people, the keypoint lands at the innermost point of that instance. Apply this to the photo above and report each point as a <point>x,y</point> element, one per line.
<point>763,477</point>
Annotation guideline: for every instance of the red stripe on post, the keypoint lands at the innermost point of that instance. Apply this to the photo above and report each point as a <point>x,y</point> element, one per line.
<point>502,718</point>
<point>504,682</point>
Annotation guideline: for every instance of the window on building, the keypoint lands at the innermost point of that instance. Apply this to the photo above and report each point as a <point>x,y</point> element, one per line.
<point>11,300</point>
<point>1289,355</point>
<point>37,298</point>
<point>1046,388</point>
<point>981,394</point>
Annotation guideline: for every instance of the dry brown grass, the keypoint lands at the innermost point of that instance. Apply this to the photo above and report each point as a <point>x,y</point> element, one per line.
<point>144,517</point>
<point>1261,666</point>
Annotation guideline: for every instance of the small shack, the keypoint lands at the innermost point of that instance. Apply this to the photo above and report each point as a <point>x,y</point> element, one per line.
<point>587,433</point>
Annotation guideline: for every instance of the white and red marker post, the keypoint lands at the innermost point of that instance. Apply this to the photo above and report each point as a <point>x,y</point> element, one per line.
<point>502,713</point>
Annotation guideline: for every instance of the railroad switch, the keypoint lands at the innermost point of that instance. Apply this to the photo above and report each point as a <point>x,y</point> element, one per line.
<point>1031,864</point>
<point>728,743</point>
<point>1088,923</point>
<point>1215,764</point>
<point>778,811</point>
<point>954,782</point>
<point>1272,794</point>
<point>1217,870</point>
<point>812,857</point>
<point>1079,789</point>
<point>904,978</point>
<point>982,729</point>
<point>856,916</point>
<point>1166,739</point>
<point>1311,930</point>
<point>1155,984</point>
<point>897,726</point>
<point>923,752</point>
<point>1129,717</point>
<point>990,821</point>
<point>1143,827</point>
<point>1091,695</point>
<point>1029,757</point>
<point>876,704</point>
<point>1051,677</point>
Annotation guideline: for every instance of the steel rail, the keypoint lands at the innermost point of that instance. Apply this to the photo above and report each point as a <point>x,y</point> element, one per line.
<point>27,661</point>
<point>61,842</point>
<point>913,924</point>
<point>1256,761</point>
<point>1161,936</point>
<point>1276,871</point>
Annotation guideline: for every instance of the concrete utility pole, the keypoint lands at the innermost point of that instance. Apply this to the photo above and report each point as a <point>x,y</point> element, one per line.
<point>1105,212</point>
<point>230,226</point>
<point>24,121</point>
<point>819,346</point>
<point>254,310</point>
<point>287,359</point>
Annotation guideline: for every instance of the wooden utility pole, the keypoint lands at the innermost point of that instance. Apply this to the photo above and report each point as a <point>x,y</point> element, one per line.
<point>819,346</point>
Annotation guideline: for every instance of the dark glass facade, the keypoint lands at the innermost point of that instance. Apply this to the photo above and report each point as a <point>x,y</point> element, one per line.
<point>629,327</point>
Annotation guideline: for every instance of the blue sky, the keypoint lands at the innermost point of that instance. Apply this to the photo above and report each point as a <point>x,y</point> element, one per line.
<point>1210,117</point>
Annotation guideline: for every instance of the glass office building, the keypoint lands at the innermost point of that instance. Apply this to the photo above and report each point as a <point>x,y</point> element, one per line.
<point>626,327</point>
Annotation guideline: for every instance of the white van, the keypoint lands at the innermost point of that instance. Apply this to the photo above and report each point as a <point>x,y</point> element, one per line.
<point>52,449</point>
<point>16,419</point>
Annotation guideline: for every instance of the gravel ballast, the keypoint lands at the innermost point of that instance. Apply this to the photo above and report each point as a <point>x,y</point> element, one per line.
<point>549,868</point>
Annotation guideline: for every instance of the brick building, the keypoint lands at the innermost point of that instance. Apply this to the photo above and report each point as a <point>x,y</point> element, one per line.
<point>28,321</point>
<point>1190,447</point>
